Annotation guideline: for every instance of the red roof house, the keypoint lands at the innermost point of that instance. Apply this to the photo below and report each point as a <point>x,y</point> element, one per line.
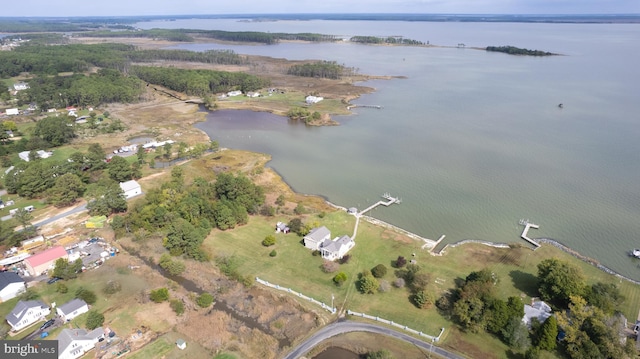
<point>38,263</point>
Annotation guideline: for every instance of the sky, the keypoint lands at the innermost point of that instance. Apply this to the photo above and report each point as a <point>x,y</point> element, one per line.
<point>65,8</point>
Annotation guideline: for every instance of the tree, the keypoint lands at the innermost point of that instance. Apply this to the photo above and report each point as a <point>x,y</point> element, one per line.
<point>54,130</point>
<point>516,334</point>
<point>559,280</point>
<point>340,278</point>
<point>23,217</point>
<point>384,286</point>
<point>86,295</point>
<point>65,270</point>
<point>112,287</point>
<point>401,262</point>
<point>119,169</point>
<point>379,271</point>
<point>269,240</point>
<point>280,200</point>
<point>547,334</point>
<point>174,267</point>
<point>67,189</point>
<point>367,284</point>
<point>295,225</point>
<point>159,295</point>
<point>95,319</point>
<point>299,209</point>
<point>605,296</point>
<point>399,283</point>
<point>422,299</point>
<point>61,288</point>
<point>204,300</point>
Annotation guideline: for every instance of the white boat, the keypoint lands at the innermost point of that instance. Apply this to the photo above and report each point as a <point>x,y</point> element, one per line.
<point>635,253</point>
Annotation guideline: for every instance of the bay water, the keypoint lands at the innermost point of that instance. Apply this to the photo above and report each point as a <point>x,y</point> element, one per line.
<point>472,141</point>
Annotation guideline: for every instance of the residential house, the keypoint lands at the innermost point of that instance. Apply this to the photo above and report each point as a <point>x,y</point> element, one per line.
<point>72,309</point>
<point>19,86</point>
<point>314,239</point>
<point>282,228</point>
<point>253,94</point>
<point>234,93</point>
<point>130,188</point>
<point>337,248</point>
<point>538,309</point>
<point>26,313</point>
<point>43,261</point>
<point>11,285</point>
<point>12,111</point>
<point>74,343</point>
<point>24,155</point>
<point>313,99</point>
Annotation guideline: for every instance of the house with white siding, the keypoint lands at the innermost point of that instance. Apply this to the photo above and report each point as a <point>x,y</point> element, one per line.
<point>11,285</point>
<point>72,309</point>
<point>74,343</point>
<point>26,313</point>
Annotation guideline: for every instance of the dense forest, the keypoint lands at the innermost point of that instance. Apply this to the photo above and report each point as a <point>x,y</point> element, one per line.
<point>198,82</point>
<point>385,40</point>
<point>186,35</point>
<point>512,50</point>
<point>322,69</point>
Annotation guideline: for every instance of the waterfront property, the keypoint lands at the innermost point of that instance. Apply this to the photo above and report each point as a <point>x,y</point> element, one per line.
<point>538,310</point>
<point>316,236</point>
<point>26,313</point>
<point>319,239</point>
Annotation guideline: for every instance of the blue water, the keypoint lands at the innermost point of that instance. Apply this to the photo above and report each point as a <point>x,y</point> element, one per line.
<point>472,141</point>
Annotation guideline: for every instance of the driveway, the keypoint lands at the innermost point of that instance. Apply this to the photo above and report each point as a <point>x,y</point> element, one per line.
<point>36,334</point>
<point>346,326</point>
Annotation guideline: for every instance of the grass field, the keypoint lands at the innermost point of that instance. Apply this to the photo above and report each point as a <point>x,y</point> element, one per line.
<point>296,268</point>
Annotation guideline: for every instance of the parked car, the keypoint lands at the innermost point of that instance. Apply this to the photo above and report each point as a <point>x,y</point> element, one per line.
<point>53,280</point>
<point>47,324</point>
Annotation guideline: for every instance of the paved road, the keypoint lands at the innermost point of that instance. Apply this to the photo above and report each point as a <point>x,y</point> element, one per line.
<point>338,328</point>
<point>62,215</point>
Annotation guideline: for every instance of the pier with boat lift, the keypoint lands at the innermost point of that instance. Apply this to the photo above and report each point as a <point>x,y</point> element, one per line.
<point>389,201</point>
<point>528,225</point>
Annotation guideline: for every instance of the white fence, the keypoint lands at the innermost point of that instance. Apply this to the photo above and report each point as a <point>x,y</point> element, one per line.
<point>349,312</point>
<point>403,327</point>
<point>300,295</point>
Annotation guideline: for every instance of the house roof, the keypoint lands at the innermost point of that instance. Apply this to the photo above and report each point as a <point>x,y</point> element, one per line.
<point>318,234</point>
<point>21,309</point>
<point>335,245</point>
<point>68,336</point>
<point>7,278</point>
<point>129,185</point>
<point>50,254</point>
<point>71,306</point>
<point>539,310</point>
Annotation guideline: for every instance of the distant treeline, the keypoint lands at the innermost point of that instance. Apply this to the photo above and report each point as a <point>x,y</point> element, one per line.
<point>512,50</point>
<point>385,40</point>
<point>322,69</point>
<point>51,60</point>
<point>198,82</point>
<point>186,35</point>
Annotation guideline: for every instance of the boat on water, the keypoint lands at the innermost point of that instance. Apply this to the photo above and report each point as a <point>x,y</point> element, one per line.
<point>635,253</point>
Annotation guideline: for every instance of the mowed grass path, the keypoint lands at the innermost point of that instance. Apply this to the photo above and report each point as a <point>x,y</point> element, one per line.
<point>294,267</point>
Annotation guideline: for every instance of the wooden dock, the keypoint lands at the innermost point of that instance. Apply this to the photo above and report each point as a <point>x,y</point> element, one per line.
<point>378,107</point>
<point>525,231</point>
<point>389,201</point>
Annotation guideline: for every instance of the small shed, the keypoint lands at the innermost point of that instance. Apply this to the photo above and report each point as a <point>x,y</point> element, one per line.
<point>181,344</point>
<point>130,188</point>
<point>352,210</point>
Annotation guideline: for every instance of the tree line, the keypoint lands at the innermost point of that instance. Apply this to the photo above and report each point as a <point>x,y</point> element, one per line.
<point>321,69</point>
<point>512,50</point>
<point>384,40</point>
<point>198,82</point>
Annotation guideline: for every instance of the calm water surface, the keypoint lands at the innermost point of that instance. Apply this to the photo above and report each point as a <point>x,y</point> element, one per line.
<point>472,141</point>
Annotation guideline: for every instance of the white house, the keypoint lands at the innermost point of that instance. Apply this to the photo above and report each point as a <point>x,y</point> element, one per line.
<point>313,99</point>
<point>26,313</point>
<point>234,93</point>
<point>538,309</point>
<point>11,285</point>
<point>73,343</point>
<point>24,155</point>
<point>19,86</point>
<point>72,309</point>
<point>12,111</point>
<point>314,239</point>
<point>130,188</point>
<point>337,248</point>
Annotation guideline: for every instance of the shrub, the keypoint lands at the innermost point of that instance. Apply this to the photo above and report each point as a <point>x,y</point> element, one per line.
<point>112,287</point>
<point>94,320</point>
<point>401,262</point>
<point>61,288</point>
<point>384,286</point>
<point>422,299</point>
<point>86,295</point>
<point>273,253</point>
<point>379,271</point>
<point>177,306</point>
<point>399,283</point>
<point>420,282</point>
<point>345,259</point>
<point>159,295</point>
<point>315,253</point>
<point>299,209</point>
<point>367,284</point>
<point>269,240</point>
<point>280,200</point>
<point>340,278</point>
<point>204,300</point>
<point>174,267</point>
<point>329,266</point>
